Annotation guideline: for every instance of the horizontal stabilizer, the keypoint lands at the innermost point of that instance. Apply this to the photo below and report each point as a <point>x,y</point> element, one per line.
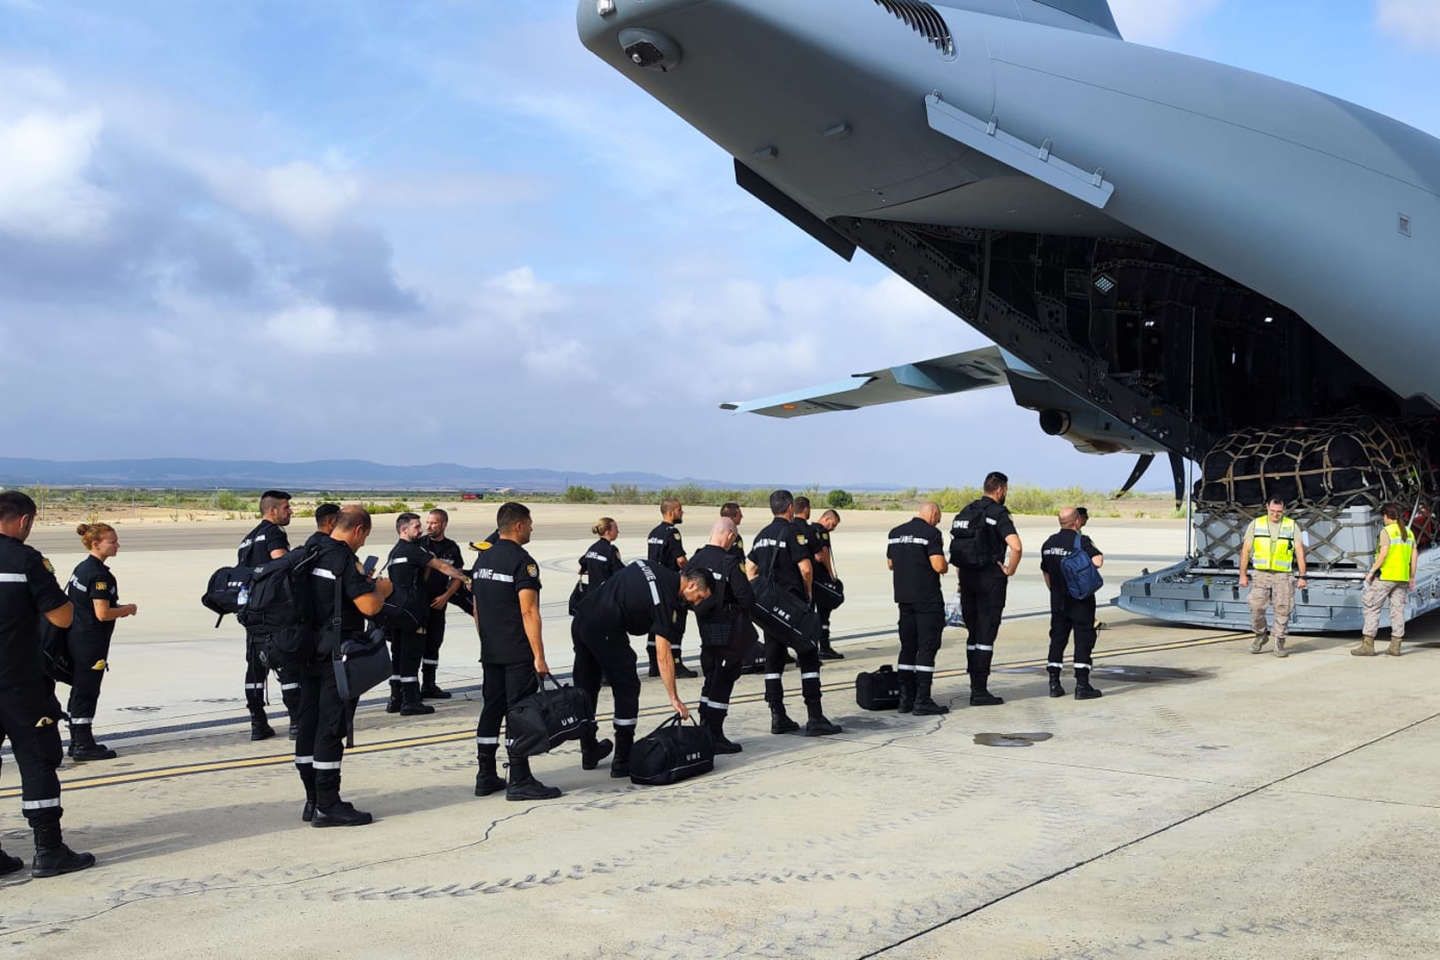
<point>957,373</point>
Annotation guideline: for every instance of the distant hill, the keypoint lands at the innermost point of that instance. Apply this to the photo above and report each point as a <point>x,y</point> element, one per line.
<point>314,475</point>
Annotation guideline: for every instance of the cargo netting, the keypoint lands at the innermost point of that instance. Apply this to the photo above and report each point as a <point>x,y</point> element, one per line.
<point>1324,468</point>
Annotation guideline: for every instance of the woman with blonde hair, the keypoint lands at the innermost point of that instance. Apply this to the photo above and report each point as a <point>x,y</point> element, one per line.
<point>96,597</point>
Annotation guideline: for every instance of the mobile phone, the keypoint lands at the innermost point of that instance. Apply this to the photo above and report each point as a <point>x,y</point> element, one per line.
<point>370,564</point>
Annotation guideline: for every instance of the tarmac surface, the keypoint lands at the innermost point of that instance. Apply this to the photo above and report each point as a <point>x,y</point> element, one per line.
<point>1213,804</point>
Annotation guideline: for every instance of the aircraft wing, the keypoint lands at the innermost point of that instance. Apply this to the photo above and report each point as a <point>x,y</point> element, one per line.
<point>956,373</point>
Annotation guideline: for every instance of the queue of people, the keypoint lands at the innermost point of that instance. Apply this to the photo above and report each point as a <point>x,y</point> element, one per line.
<point>728,590</point>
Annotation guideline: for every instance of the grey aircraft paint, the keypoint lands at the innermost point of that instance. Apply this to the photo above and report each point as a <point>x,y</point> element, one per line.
<point>1182,249</point>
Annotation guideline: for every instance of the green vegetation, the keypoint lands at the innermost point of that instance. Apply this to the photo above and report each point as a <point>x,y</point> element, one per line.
<point>839,500</point>
<point>575,494</point>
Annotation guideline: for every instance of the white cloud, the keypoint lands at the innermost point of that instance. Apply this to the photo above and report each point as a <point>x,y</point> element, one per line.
<point>1416,22</point>
<point>314,328</point>
<point>1159,21</point>
<point>44,161</point>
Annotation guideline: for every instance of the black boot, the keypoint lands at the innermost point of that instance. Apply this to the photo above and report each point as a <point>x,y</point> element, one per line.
<point>9,864</point>
<point>620,763</point>
<point>1056,688</point>
<point>260,728</point>
<point>307,780</point>
<point>1083,690</point>
<point>330,810</point>
<point>924,705</point>
<point>980,696</point>
<point>429,689</point>
<point>907,691</point>
<point>524,786</point>
<point>410,703</point>
<point>291,698</point>
<point>828,652</point>
<point>715,720</point>
<point>487,781</point>
<point>592,751</point>
<point>654,664</point>
<point>83,746</point>
<point>682,672</point>
<point>817,725</point>
<point>393,705</point>
<point>52,857</point>
<point>780,721</point>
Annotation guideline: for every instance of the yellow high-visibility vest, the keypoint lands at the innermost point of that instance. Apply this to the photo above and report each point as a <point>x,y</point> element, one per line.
<point>1397,561</point>
<point>1274,550</point>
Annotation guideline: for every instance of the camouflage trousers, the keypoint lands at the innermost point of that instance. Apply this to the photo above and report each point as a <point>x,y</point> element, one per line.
<point>1377,594</point>
<point>1271,589</point>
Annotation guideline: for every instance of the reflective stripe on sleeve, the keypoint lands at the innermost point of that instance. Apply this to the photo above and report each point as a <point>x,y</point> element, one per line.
<point>323,573</point>
<point>14,578</point>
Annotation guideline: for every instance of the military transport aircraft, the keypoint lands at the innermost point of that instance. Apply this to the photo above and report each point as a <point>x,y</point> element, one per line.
<point>1166,252</point>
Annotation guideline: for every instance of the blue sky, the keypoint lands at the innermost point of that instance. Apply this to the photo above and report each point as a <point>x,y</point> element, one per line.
<point>442,231</point>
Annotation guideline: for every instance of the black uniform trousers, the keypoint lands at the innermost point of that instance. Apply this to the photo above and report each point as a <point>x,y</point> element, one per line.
<point>603,656</point>
<point>807,658</point>
<point>89,653</point>
<point>37,749</point>
<point>321,720</point>
<point>721,662</point>
<point>921,625</point>
<point>982,603</point>
<point>502,686</point>
<point>1068,615</point>
<point>256,671</point>
<point>434,637</point>
<point>407,648</point>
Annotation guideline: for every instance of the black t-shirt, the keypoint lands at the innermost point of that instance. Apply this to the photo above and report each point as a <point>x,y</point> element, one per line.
<point>738,548</point>
<point>255,549</point>
<point>1053,553</point>
<point>819,543</point>
<point>92,581</point>
<point>500,573</point>
<point>910,547</point>
<point>783,543</point>
<point>27,591</point>
<point>336,562</point>
<point>641,599</point>
<point>1000,526</point>
<point>729,587</point>
<point>600,563</point>
<point>313,541</point>
<point>407,567</point>
<point>448,550</point>
<point>665,546</point>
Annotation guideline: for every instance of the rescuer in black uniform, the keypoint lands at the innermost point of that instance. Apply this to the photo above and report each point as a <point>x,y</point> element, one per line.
<point>986,549</point>
<point>325,516</point>
<point>822,555</point>
<point>506,585</point>
<point>440,589</point>
<point>1066,613</point>
<point>641,599</point>
<point>409,565</point>
<point>336,575</point>
<point>731,511</point>
<point>666,549</point>
<point>782,552</point>
<point>265,543</point>
<point>723,622</point>
<point>916,553</point>
<point>96,598</point>
<point>601,560</point>
<point>29,712</point>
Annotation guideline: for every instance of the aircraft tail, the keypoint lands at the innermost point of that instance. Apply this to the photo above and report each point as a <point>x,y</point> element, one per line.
<point>1094,12</point>
<point>1091,11</point>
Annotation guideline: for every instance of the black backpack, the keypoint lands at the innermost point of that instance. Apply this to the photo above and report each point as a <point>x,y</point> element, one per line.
<point>282,605</point>
<point>972,541</point>
<point>226,591</point>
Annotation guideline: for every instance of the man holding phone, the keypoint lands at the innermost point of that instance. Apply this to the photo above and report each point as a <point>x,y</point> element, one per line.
<point>410,566</point>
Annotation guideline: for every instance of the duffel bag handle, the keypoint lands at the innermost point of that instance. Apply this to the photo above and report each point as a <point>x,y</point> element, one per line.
<point>551,678</point>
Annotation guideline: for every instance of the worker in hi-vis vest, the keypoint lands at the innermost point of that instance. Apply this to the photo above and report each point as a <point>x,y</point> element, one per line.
<point>1276,544</point>
<point>1390,580</point>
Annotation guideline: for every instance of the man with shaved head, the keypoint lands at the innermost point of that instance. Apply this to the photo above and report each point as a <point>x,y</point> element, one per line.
<point>1067,614</point>
<point>915,553</point>
<point>665,549</point>
<point>723,621</point>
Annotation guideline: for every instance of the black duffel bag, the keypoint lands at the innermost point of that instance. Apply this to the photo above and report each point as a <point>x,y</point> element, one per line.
<point>782,613</point>
<point>547,718</point>
<point>829,596</point>
<point>361,664</point>
<point>55,657</point>
<point>879,690</point>
<point>672,752</point>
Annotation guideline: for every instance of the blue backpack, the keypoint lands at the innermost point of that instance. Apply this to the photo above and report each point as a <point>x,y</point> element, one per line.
<point>1082,580</point>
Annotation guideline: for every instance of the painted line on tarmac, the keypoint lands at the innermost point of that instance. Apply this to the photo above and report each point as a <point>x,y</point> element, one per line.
<point>457,736</point>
